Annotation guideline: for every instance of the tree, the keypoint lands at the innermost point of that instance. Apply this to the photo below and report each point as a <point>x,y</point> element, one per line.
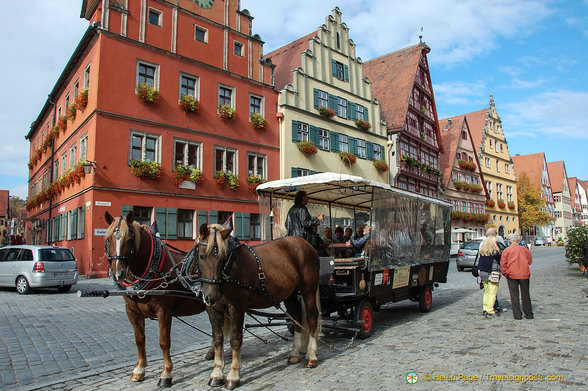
<point>576,238</point>
<point>530,205</point>
<point>16,204</point>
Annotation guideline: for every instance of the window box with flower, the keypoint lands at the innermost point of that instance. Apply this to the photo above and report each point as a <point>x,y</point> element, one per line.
<point>224,177</point>
<point>72,111</point>
<point>326,112</point>
<point>490,203</point>
<point>347,158</point>
<point>62,123</point>
<point>381,165</point>
<point>307,147</point>
<point>226,113</point>
<point>511,205</point>
<point>361,124</point>
<point>187,173</point>
<point>146,169</point>
<point>254,181</point>
<point>82,99</point>
<point>501,204</point>
<point>148,93</point>
<point>189,103</point>
<point>257,121</point>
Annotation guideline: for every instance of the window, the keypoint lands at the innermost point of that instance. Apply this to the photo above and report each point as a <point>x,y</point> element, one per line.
<point>225,96</point>
<point>238,49</point>
<point>45,180</point>
<point>143,215</point>
<point>361,151</point>
<point>341,107</point>
<point>73,156</point>
<point>507,168</point>
<point>147,74</point>
<point>378,152</point>
<point>254,227</point>
<point>509,193</point>
<point>491,144</point>
<point>256,165</point>
<point>297,172</point>
<point>499,193</point>
<point>501,148</point>
<point>76,88</point>
<point>323,99</point>
<point>63,227</point>
<point>487,162</point>
<point>255,105</point>
<point>84,147</point>
<point>557,214</point>
<point>464,135</point>
<point>497,165</point>
<point>187,153</point>
<point>338,71</point>
<point>154,17</point>
<point>200,34</point>
<point>144,146</point>
<point>343,143</point>
<point>63,163</point>
<point>188,85</point>
<point>67,102</point>
<point>185,224</point>
<point>489,189</point>
<point>87,76</point>
<point>56,170</point>
<point>73,225</point>
<point>225,159</point>
<point>556,198</point>
<point>359,112</point>
<point>324,141</point>
<point>303,132</point>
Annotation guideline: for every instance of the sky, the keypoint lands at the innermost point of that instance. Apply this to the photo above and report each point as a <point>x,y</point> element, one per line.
<point>530,55</point>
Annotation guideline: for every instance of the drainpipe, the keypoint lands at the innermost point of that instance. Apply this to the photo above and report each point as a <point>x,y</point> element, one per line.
<point>51,167</point>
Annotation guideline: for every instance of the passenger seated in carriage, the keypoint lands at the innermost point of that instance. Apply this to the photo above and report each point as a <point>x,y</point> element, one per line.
<point>359,241</point>
<point>340,238</point>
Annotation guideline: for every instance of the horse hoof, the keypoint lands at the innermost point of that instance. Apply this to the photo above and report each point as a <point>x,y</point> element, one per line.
<point>311,363</point>
<point>215,382</point>
<point>232,384</point>
<point>137,378</point>
<point>209,355</point>
<point>293,360</point>
<point>164,382</point>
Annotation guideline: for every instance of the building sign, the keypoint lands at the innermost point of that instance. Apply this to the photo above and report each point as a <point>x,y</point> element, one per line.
<point>100,231</point>
<point>61,209</point>
<point>187,185</point>
<point>102,203</point>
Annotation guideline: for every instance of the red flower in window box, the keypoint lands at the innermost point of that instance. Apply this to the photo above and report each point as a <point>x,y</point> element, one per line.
<point>226,113</point>
<point>381,165</point>
<point>501,204</point>
<point>189,103</point>
<point>307,147</point>
<point>361,124</point>
<point>82,99</point>
<point>490,203</point>
<point>347,158</point>
<point>511,205</point>
<point>326,112</point>
<point>147,93</point>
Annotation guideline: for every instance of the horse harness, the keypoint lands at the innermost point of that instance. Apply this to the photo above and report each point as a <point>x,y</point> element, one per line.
<point>233,245</point>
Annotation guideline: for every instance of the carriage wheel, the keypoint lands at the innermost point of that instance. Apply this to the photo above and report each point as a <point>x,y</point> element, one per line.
<point>425,298</point>
<point>364,319</point>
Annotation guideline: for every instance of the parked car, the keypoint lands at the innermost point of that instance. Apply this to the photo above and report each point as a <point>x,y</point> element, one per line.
<point>27,266</point>
<point>469,250</point>
<point>540,242</point>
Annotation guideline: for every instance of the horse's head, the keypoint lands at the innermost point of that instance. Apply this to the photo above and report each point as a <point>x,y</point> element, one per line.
<point>122,242</point>
<point>211,252</point>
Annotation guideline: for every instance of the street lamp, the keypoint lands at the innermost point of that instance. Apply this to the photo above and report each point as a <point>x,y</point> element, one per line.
<point>88,166</point>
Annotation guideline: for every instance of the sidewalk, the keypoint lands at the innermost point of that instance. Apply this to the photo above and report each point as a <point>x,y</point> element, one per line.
<point>449,346</point>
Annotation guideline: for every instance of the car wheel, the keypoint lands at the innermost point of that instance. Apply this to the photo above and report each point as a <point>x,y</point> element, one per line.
<point>64,288</point>
<point>22,285</point>
<point>459,268</point>
<point>364,319</point>
<point>425,298</point>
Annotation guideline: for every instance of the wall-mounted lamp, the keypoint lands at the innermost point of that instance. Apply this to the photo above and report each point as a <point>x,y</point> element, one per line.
<point>88,166</point>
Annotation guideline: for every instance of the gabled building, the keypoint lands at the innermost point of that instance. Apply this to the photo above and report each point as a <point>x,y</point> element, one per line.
<point>401,82</point>
<point>528,165</point>
<point>153,113</point>
<point>4,217</point>
<point>561,197</point>
<point>497,168</point>
<point>575,201</point>
<point>583,188</point>
<point>328,118</point>
<point>461,180</point>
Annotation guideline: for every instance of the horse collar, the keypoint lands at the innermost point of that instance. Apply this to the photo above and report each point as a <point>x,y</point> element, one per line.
<point>154,266</point>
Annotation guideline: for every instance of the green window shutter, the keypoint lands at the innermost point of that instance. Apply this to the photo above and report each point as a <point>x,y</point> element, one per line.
<point>201,219</point>
<point>237,226</point>
<point>294,131</point>
<point>353,145</point>
<point>294,172</point>
<point>349,105</point>
<point>366,114</point>
<point>172,223</point>
<point>160,219</point>
<point>312,172</point>
<point>352,110</point>
<point>316,98</point>
<point>125,209</point>
<point>245,226</point>
<point>213,217</point>
<point>334,67</point>
<point>75,222</point>
<point>82,223</point>
<point>346,69</point>
<point>369,150</point>
<point>334,142</point>
<point>314,134</point>
<point>333,102</point>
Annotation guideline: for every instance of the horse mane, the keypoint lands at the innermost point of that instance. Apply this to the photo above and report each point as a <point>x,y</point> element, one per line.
<point>124,230</point>
<point>221,244</point>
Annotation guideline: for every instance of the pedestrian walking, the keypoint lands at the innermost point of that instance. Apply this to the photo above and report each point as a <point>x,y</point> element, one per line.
<point>489,269</point>
<point>514,265</point>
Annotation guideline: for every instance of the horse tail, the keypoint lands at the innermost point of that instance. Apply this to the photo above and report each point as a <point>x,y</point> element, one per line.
<point>318,307</point>
<point>305,326</point>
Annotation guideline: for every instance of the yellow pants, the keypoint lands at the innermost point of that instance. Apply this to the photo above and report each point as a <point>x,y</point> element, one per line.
<point>490,292</point>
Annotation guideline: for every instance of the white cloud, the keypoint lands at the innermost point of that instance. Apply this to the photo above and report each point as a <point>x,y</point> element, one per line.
<point>522,84</point>
<point>552,114</point>
<point>459,93</point>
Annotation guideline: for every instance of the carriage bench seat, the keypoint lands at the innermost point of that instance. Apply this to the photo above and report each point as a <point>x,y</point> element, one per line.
<point>349,263</point>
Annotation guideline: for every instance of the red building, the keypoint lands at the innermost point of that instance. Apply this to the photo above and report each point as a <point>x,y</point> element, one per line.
<point>116,111</point>
<point>401,82</point>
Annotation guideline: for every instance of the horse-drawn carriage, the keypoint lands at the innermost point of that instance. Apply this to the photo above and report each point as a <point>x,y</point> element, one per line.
<point>407,254</point>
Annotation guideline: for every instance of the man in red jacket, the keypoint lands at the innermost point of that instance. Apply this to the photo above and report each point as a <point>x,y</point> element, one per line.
<point>514,265</point>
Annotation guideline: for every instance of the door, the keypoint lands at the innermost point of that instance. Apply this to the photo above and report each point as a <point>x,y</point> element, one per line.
<point>9,266</point>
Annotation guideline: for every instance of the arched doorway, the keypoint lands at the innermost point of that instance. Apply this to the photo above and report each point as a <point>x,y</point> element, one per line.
<point>501,231</point>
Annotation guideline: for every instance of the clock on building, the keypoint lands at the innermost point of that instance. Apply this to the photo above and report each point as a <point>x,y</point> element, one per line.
<point>204,3</point>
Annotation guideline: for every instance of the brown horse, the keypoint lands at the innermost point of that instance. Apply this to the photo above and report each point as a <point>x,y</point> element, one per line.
<point>236,277</point>
<point>138,259</point>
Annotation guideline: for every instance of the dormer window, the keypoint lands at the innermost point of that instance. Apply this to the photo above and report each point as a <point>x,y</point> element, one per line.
<point>238,49</point>
<point>154,17</point>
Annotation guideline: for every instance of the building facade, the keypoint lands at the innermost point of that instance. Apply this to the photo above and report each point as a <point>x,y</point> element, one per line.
<point>575,201</point>
<point>562,199</point>
<point>401,82</point>
<point>328,118</point>
<point>153,113</point>
<point>497,169</point>
<point>461,180</point>
<point>583,188</point>
<point>527,165</point>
